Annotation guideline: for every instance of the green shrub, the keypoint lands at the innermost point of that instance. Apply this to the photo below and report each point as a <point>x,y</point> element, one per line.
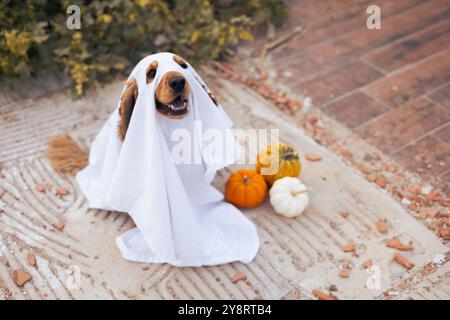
<point>115,34</point>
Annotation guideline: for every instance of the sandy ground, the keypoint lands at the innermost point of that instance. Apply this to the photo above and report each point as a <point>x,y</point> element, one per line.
<point>297,256</point>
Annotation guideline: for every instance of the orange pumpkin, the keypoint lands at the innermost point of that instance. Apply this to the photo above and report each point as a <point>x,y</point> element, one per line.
<point>246,188</point>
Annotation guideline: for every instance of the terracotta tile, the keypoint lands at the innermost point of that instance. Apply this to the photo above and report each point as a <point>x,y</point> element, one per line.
<point>401,126</point>
<point>411,49</point>
<point>354,12</point>
<point>338,81</point>
<point>442,96</point>
<point>306,11</point>
<point>355,109</point>
<point>444,183</point>
<point>403,24</point>
<point>413,82</point>
<point>444,134</point>
<point>314,59</point>
<point>428,153</point>
<point>335,12</point>
<point>332,55</point>
<point>337,18</point>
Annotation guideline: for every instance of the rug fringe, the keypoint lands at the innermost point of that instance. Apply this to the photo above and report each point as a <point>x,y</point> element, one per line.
<point>66,155</point>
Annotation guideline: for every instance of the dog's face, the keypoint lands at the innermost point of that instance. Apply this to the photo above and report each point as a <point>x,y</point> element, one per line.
<point>171,95</point>
<point>172,92</point>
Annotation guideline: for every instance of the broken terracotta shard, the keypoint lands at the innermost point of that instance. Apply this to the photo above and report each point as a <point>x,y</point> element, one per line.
<point>344,273</point>
<point>401,260</point>
<point>395,243</point>
<point>60,191</point>
<point>40,188</point>
<point>239,276</point>
<point>31,259</point>
<point>382,226</point>
<point>312,157</point>
<point>367,264</point>
<point>323,296</point>
<point>349,248</point>
<point>344,214</point>
<point>20,277</point>
<point>60,225</point>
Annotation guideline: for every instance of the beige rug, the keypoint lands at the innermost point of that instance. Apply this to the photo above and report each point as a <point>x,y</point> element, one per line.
<point>297,256</point>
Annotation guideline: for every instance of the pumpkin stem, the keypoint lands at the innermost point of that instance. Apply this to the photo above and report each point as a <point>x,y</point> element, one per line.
<point>296,192</point>
<point>245,180</point>
<point>289,155</point>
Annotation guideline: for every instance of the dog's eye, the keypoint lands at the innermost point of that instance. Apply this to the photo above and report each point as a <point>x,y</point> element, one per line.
<point>151,71</point>
<point>180,61</point>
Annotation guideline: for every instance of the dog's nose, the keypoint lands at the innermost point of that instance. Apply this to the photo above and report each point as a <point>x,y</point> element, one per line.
<point>177,83</point>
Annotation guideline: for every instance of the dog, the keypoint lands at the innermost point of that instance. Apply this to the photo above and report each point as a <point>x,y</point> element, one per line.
<point>177,216</point>
<point>171,95</point>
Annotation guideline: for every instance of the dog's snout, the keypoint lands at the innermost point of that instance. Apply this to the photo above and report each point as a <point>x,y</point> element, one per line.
<point>177,83</point>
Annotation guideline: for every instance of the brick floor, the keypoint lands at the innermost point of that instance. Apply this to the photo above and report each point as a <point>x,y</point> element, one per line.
<point>393,130</point>
<point>391,86</point>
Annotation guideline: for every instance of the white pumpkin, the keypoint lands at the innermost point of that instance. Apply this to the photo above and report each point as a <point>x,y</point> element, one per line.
<point>289,197</point>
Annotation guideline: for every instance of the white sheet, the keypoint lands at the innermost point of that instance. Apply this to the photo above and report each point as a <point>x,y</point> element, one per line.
<point>181,219</point>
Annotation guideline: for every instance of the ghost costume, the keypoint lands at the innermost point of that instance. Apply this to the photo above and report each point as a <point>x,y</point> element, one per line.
<point>180,218</point>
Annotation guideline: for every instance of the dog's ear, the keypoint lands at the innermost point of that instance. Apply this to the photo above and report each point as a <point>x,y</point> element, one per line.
<point>151,71</point>
<point>126,107</point>
<point>180,61</point>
